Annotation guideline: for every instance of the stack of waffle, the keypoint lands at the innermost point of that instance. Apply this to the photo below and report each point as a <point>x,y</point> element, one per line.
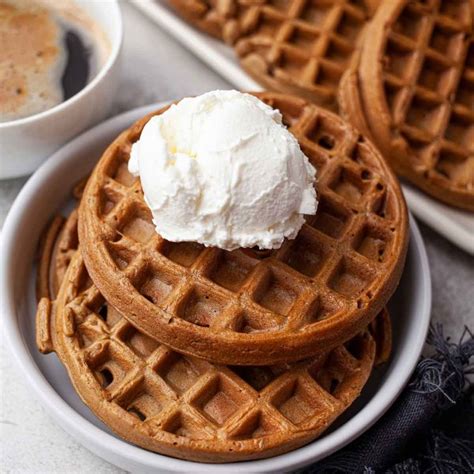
<point>402,71</point>
<point>210,355</point>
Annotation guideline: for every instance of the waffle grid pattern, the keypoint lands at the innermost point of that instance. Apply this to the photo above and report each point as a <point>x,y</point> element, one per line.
<point>302,44</point>
<point>186,407</point>
<point>164,391</point>
<point>330,269</point>
<point>429,86</point>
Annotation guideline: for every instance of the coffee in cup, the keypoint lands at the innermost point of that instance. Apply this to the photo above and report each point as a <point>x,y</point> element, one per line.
<point>49,51</point>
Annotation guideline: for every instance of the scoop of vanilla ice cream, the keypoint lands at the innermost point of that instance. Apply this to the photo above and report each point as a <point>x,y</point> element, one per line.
<point>221,169</point>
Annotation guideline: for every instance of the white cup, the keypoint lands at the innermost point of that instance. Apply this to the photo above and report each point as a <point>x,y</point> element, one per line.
<point>25,143</point>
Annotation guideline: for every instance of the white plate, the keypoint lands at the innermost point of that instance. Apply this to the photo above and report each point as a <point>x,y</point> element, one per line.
<point>410,309</point>
<point>455,225</point>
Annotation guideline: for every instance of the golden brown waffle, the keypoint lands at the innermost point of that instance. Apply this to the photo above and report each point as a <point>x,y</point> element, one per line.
<point>185,407</point>
<point>311,295</point>
<point>416,85</point>
<point>303,47</point>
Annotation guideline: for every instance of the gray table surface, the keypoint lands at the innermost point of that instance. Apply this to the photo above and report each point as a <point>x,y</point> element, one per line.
<point>156,68</point>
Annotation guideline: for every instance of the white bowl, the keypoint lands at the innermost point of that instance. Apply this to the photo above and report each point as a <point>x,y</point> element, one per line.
<point>46,191</point>
<point>25,143</point>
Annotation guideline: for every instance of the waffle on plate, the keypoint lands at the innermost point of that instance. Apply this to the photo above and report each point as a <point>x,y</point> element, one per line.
<point>311,295</point>
<point>186,407</point>
<point>413,92</point>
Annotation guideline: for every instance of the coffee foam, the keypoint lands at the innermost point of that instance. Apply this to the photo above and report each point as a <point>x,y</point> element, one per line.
<point>33,55</point>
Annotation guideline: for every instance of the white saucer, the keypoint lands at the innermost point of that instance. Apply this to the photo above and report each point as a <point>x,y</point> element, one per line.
<point>44,194</point>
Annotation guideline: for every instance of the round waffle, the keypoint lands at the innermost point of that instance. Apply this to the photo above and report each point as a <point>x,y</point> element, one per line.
<point>303,47</point>
<point>311,295</point>
<point>416,84</point>
<point>188,408</point>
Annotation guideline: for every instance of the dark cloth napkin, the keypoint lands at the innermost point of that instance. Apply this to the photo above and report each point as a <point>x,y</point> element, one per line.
<point>429,429</point>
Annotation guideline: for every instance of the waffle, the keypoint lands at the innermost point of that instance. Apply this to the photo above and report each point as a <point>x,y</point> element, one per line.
<point>61,242</point>
<point>303,47</point>
<point>311,295</point>
<point>186,407</point>
<point>416,87</point>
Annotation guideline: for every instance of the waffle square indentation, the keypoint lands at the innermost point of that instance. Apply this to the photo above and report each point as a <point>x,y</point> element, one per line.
<point>328,75</point>
<point>137,224</point>
<point>257,424</point>
<point>157,285</point>
<point>331,219</point>
<point>269,23</point>
<point>338,51</point>
<point>399,59</point>
<point>303,38</point>
<point>465,92</point>
<point>179,372</point>
<point>123,176</point>
<point>409,24</point>
<point>138,342</point>
<point>327,133</point>
<point>231,270</point>
<point>330,376</point>
<point>426,115</point>
<point>143,399</point>
<point>394,94</point>
<point>295,401</point>
<point>121,256</point>
<point>455,167</point>
<point>182,424</point>
<point>321,308</point>
<point>349,278</point>
<point>446,42</point>
<point>348,185</point>
<point>107,313</point>
<point>315,13</point>
<point>108,200</point>
<point>461,132</point>
<point>349,26</point>
<point>372,243</point>
<point>109,364</point>
<point>276,293</point>
<point>305,256</point>
<point>182,253</point>
<point>293,62</point>
<point>200,307</point>
<point>436,77</point>
<point>219,399</point>
<point>89,332</point>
